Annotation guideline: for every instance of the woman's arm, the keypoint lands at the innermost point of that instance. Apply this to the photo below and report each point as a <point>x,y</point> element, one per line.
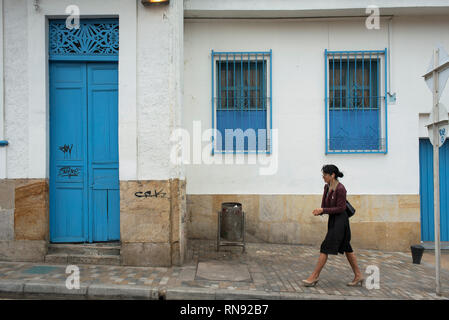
<point>341,202</point>
<point>324,195</point>
<point>326,190</point>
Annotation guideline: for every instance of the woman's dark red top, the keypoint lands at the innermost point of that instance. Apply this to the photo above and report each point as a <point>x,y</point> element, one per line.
<point>335,201</point>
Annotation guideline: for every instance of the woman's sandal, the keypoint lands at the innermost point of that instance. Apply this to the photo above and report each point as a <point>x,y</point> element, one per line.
<point>310,284</point>
<point>355,283</point>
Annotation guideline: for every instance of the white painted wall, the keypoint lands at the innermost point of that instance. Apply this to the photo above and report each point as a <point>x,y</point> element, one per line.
<point>270,5</point>
<point>16,88</point>
<point>302,8</point>
<point>2,99</point>
<point>150,82</point>
<point>151,102</point>
<point>298,101</point>
<point>159,85</point>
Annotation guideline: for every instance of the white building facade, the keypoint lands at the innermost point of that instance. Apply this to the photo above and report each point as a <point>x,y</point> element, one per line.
<point>324,81</point>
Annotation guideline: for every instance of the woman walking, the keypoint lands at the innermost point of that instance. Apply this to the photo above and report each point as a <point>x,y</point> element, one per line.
<point>338,234</point>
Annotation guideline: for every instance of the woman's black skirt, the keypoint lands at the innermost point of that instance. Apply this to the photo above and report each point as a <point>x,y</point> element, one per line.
<point>338,235</point>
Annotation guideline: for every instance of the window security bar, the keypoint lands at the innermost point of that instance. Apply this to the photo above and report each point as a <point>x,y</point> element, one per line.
<point>355,109</point>
<point>241,99</point>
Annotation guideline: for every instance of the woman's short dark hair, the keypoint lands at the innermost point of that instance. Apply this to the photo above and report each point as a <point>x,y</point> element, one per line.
<point>330,168</point>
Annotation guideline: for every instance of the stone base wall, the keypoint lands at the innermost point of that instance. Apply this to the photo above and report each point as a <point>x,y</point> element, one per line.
<point>152,222</point>
<point>383,222</point>
<point>23,250</point>
<point>24,219</point>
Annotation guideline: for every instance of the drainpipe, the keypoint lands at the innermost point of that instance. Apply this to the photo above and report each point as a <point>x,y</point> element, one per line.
<point>3,142</point>
<point>391,93</point>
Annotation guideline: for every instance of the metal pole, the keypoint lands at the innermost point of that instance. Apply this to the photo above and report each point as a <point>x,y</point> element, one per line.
<point>436,172</point>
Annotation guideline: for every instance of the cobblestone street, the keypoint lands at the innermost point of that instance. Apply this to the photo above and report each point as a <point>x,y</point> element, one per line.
<point>275,272</point>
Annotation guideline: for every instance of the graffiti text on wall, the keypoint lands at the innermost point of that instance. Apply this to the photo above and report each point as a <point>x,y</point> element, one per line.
<point>66,149</point>
<point>68,172</point>
<point>149,194</point>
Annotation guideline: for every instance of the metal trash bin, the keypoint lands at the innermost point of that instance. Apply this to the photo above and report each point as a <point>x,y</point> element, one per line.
<point>417,252</point>
<point>231,225</point>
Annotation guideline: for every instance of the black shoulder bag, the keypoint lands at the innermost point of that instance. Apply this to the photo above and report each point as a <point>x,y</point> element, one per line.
<point>349,209</point>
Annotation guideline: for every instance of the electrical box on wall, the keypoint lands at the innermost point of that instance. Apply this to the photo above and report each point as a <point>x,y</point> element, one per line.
<point>392,98</point>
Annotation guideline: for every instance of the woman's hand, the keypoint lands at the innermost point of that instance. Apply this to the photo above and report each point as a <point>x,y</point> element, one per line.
<point>317,211</point>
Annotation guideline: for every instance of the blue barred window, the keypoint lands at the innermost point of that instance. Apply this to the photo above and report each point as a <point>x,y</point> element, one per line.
<point>356,118</point>
<point>241,101</point>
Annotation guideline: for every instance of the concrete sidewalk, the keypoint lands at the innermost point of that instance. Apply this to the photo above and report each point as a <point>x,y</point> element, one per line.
<point>264,271</point>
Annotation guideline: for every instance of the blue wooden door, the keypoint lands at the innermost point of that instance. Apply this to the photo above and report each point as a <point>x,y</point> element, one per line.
<point>426,190</point>
<point>84,183</point>
<point>68,153</point>
<point>104,195</point>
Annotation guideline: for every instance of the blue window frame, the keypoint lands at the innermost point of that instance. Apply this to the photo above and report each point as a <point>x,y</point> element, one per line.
<point>355,109</point>
<point>241,102</point>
